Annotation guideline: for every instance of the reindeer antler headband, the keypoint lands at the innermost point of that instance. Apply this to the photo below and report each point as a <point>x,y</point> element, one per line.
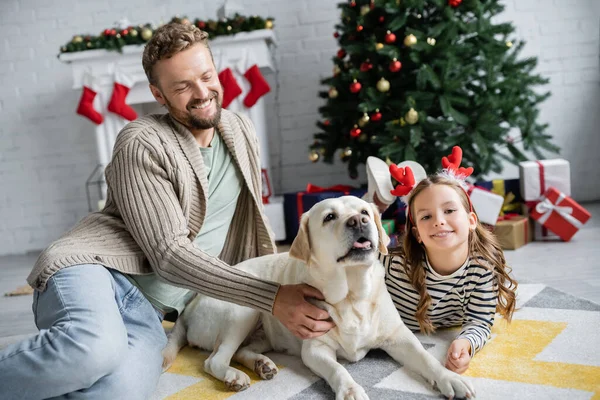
<point>451,169</point>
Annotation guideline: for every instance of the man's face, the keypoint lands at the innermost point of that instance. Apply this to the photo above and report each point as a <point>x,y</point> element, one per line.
<point>188,85</point>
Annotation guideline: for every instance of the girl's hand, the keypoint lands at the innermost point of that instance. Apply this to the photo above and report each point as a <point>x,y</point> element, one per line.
<point>458,358</point>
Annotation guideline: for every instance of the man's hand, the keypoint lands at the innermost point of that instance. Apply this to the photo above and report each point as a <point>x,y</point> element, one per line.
<point>458,358</point>
<point>303,319</point>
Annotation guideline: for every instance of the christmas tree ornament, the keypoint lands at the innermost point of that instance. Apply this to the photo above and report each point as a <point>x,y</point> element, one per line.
<point>346,154</point>
<point>258,86</point>
<point>509,44</point>
<point>121,87</point>
<point>77,39</point>
<point>229,28</point>
<point>365,66</point>
<point>326,122</point>
<point>431,41</point>
<point>364,10</point>
<point>231,89</point>
<point>363,120</point>
<point>89,45</point>
<point>355,86</point>
<point>381,19</point>
<point>313,156</point>
<point>383,85</point>
<point>411,117</point>
<point>402,121</point>
<point>390,37</point>
<point>336,70</point>
<point>395,65</point>
<point>419,16</point>
<point>268,24</point>
<point>376,116</point>
<point>336,35</point>
<point>341,53</point>
<point>372,4</point>
<point>185,21</point>
<point>201,24</point>
<point>359,28</point>
<point>363,138</point>
<point>86,102</point>
<point>373,139</point>
<point>333,93</point>
<point>146,34</point>
<point>379,46</point>
<point>133,32</point>
<point>355,132</point>
<point>410,40</point>
<point>454,3</point>
<point>352,3</point>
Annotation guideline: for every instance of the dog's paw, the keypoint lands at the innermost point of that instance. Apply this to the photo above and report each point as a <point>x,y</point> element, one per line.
<point>169,356</point>
<point>453,385</point>
<point>353,392</point>
<point>265,368</point>
<point>236,380</point>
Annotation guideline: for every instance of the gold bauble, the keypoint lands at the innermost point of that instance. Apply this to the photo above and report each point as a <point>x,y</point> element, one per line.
<point>402,121</point>
<point>77,39</point>
<point>431,41</point>
<point>410,40</point>
<point>336,70</point>
<point>133,33</point>
<point>379,46</point>
<point>146,33</point>
<point>412,117</point>
<point>185,21</point>
<point>229,28</point>
<point>509,44</point>
<point>333,93</point>
<point>383,85</point>
<point>313,156</point>
<point>365,10</point>
<point>363,120</point>
<point>373,138</point>
<point>269,24</point>
<point>89,45</point>
<point>363,137</point>
<point>346,154</point>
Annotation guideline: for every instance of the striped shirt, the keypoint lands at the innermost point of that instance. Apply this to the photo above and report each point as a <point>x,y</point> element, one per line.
<point>465,298</point>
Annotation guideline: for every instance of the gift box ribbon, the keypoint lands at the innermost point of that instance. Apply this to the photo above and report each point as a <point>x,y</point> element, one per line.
<point>312,189</point>
<point>546,207</point>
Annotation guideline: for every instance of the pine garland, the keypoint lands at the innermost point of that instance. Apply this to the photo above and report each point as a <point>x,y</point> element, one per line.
<point>115,39</point>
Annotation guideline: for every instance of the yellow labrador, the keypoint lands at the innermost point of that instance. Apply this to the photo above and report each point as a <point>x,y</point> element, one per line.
<point>336,252</point>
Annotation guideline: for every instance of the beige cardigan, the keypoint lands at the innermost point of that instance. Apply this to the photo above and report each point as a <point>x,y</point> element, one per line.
<point>155,207</point>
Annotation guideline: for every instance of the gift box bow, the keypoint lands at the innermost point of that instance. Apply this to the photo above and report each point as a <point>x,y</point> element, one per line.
<point>546,208</point>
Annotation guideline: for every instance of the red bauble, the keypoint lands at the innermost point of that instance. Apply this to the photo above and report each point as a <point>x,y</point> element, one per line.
<point>106,32</point>
<point>124,32</point>
<point>326,122</point>
<point>372,5</point>
<point>355,132</point>
<point>353,3</point>
<point>365,66</point>
<point>336,35</point>
<point>201,24</point>
<point>376,116</point>
<point>390,38</point>
<point>395,66</point>
<point>454,3</point>
<point>381,19</point>
<point>113,32</point>
<point>359,28</point>
<point>355,87</point>
<point>341,53</point>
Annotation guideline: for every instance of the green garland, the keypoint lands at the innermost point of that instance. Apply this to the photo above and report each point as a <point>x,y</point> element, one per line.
<point>116,38</point>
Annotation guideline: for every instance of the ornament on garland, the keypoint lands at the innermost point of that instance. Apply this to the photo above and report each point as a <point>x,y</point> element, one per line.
<point>352,3</point>
<point>366,66</point>
<point>333,93</point>
<point>313,156</point>
<point>383,85</point>
<point>410,40</point>
<point>355,86</point>
<point>411,117</point>
<point>346,154</point>
<point>147,34</point>
<point>355,132</point>
<point>431,41</point>
<point>269,24</point>
<point>390,37</point>
<point>454,3</point>
<point>395,65</point>
<point>77,39</point>
<point>376,116</point>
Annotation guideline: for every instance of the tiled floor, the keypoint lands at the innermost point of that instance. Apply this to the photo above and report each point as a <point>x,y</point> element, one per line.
<point>572,267</point>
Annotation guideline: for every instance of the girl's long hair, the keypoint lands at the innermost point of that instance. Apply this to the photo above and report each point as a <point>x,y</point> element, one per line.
<point>482,244</point>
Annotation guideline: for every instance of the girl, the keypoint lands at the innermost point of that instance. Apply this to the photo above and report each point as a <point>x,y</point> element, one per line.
<point>450,271</point>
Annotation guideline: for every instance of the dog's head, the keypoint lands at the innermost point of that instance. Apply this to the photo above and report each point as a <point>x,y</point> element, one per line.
<point>342,231</point>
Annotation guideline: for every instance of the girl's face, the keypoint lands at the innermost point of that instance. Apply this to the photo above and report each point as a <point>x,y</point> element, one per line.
<point>442,223</point>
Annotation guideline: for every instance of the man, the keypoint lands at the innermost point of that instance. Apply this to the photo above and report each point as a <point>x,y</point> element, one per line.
<point>183,204</point>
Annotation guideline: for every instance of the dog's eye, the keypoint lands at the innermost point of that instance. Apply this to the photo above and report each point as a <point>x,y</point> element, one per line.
<point>329,217</point>
<point>365,212</point>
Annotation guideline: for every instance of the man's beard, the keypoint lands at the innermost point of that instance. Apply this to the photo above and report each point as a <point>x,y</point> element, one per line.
<point>188,119</point>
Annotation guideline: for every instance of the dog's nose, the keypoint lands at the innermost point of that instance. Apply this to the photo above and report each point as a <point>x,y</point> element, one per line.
<point>357,221</point>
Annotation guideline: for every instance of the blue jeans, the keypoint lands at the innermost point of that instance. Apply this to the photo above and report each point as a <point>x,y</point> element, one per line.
<point>99,338</point>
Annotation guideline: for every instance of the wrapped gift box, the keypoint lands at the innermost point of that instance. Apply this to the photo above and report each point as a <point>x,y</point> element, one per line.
<point>513,231</point>
<point>537,176</point>
<point>397,212</point>
<point>560,214</point>
<point>297,203</point>
<point>509,189</point>
<point>389,226</point>
<point>487,205</point>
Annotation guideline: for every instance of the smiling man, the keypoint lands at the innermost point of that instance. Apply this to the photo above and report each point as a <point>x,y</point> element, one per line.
<point>183,205</point>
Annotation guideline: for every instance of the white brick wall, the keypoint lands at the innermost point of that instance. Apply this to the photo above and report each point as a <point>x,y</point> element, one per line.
<point>47,151</point>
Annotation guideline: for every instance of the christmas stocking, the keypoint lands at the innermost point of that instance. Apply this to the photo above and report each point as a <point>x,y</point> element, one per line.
<point>231,89</point>
<point>258,86</point>
<point>122,85</point>
<point>86,103</point>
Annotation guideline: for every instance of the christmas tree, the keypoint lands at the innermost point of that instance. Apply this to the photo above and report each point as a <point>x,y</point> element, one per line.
<point>412,78</point>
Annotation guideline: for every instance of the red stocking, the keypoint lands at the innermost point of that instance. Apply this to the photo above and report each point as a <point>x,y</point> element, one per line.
<point>231,89</point>
<point>259,86</point>
<point>86,106</point>
<point>122,85</point>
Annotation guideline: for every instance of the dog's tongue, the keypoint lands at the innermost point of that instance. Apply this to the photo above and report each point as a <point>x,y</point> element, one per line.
<point>363,245</point>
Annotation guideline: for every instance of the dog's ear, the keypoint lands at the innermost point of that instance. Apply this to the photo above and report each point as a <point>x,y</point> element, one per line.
<point>384,239</point>
<point>301,246</point>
